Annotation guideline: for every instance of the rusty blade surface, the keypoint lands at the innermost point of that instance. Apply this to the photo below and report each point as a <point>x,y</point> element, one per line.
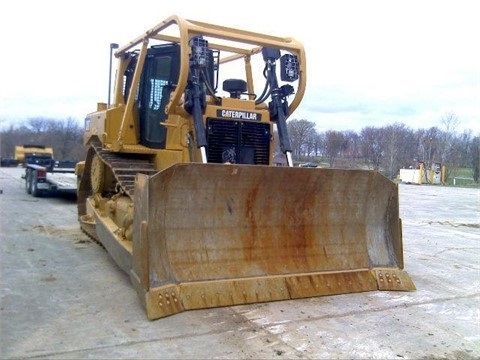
<point>214,222</point>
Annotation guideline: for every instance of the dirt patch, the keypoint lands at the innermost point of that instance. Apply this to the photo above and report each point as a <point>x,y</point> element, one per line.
<point>70,233</point>
<point>48,278</point>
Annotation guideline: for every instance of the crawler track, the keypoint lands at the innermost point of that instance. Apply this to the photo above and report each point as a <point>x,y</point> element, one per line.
<point>124,167</point>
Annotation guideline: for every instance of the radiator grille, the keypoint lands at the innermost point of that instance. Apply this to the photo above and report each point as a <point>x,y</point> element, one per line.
<point>238,142</point>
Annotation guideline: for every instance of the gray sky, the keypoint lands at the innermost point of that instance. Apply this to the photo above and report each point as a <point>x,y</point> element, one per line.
<point>369,63</point>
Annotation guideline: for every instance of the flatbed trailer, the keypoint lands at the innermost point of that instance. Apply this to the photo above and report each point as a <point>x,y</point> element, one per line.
<point>41,180</point>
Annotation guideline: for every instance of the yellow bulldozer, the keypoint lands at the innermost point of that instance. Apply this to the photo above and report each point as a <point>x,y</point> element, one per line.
<point>180,187</point>
<point>34,154</point>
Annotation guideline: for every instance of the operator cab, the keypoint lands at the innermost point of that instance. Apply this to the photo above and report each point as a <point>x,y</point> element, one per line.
<point>159,78</point>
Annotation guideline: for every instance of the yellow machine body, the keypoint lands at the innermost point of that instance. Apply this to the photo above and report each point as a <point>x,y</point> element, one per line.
<point>202,218</point>
<point>22,152</point>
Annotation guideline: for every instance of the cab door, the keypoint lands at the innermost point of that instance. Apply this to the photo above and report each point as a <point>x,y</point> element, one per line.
<point>159,77</point>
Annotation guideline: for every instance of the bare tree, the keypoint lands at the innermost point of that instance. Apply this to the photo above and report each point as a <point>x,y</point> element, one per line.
<point>474,155</point>
<point>39,125</point>
<point>8,139</point>
<point>319,143</point>
<point>302,135</point>
<point>446,138</point>
<point>67,138</point>
<point>335,143</point>
<point>352,152</point>
<point>372,146</point>
<point>398,150</point>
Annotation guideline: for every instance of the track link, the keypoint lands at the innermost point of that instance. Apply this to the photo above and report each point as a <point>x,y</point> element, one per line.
<point>125,167</point>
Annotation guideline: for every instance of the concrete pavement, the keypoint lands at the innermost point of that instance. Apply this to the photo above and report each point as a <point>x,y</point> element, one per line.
<point>62,297</point>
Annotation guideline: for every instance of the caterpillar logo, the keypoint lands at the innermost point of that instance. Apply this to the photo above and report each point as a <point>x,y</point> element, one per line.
<point>238,115</point>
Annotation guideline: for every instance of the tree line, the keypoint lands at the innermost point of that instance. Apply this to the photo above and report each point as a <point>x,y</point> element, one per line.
<point>386,149</point>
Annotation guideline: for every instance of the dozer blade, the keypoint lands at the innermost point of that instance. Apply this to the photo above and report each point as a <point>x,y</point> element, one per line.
<point>211,235</point>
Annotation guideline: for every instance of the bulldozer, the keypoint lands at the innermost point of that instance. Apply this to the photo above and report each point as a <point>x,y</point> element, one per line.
<point>180,187</point>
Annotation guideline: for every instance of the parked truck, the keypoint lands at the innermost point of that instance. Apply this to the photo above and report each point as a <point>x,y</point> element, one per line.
<point>43,174</point>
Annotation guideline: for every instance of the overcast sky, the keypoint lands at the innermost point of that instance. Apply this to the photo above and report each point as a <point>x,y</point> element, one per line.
<point>369,63</point>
